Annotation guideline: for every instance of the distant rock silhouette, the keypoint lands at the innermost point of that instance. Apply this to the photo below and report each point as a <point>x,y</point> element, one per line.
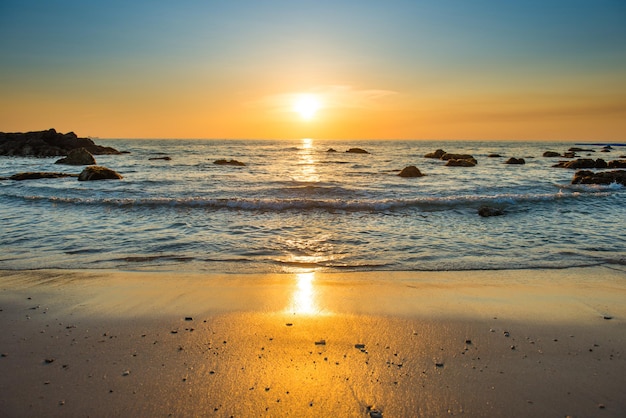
<point>166,158</point>
<point>331,150</point>
<point>616,164</point>
<point>461,163</point>
<point>494,156</point>
<point>47,144</point>
<point>513,160</point>
<point>551,154</point>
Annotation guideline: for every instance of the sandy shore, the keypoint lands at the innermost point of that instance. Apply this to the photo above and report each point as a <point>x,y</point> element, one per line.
<point>507,343</point>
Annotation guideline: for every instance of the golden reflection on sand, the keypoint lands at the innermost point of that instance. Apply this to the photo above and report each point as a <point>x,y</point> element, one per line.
<point>304,299</point>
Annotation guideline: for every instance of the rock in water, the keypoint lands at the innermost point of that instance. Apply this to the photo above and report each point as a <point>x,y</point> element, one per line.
<point>461,163</point>
<point>229,162</point>
<point>96,172</point>
<point>411,171</point>
<point>39,175</point>
<point>514,160</point>
<point>357,151</point>
<point>78,156</point>
<point>487,211</point>
<point>551,154</point>
<point>437,154</point>
<point>48,143</point>
<point>604,177</point>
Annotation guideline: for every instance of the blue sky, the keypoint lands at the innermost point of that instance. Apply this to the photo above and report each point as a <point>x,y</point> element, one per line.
<point>222,56</point>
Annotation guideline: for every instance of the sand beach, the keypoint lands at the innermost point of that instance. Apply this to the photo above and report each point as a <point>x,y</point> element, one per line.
<point>478,343</point>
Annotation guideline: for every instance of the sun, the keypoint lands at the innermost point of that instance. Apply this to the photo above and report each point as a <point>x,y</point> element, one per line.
<point>306,105</point>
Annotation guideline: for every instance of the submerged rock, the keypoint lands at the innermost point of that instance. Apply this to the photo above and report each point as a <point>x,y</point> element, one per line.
<point>39,175</point>
<point>410,171</point>
<point>514,160</point>
<point>486,211</point>
<point>616,164</point>
<point>166,158</point>
<point>78,156</point>
<point>96,172</point>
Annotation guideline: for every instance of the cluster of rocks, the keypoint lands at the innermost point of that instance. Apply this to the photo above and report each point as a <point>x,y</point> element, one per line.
<point>602,177</point>
<point>77,151</point>
<point>48,143</point>
<point>453,160</point>
<point>590,163</point>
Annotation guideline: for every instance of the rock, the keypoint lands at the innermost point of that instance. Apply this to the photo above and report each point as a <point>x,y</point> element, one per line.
<point>357,151</point>
<point>603,177</point>
<point>494,156</point>
<point>48,143</point>
<point>582,163</point>
<point>437,154</point>
<point>410,171</point>
<point>166,158</point>
<point>461,163</point>
<point>78,156</point>
<point>331,150</point>
<point>616,164</point>
<point>551,154</point>
<point>96,172</point>
<point>39,175</point>
<point>449,156</point>
<point>229,162</point>
<point>514,160</point>
<point>576,149</point>
<point>569,154</point>
<point>486,211</point>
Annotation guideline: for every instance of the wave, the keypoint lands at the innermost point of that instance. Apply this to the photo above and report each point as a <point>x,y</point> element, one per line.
<point>426,204</point>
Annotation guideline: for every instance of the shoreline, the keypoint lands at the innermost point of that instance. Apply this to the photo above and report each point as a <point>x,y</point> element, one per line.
<point>480,343</point>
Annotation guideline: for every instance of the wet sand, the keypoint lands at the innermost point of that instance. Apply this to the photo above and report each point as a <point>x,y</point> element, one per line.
<point>499,343</point>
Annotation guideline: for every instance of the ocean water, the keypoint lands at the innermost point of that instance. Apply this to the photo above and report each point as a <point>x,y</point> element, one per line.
<point>295,207</point>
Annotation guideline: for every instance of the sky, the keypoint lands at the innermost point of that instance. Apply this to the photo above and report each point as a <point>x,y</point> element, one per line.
<point>362,69</point>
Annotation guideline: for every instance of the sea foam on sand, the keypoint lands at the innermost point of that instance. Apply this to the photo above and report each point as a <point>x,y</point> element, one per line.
<point>488,343</point>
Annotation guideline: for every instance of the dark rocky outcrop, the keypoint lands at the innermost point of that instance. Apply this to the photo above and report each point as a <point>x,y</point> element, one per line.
<point>78,156</point>
<point>39,175</point>
<point>551,154</point>
<point>437,154</point>
<point>577,149</point>
<point>461,163</point>
<point>166,158</point>
<point>582,163</point>
<point>616,164</point>
<point>229,162</point>
<point>486,211</point>
<point>604,177</point>
<point>513,160</point>
<point>357,151</point>
<point>411,171</point>
<point>48,143</point>
<point>96,172</point>
<point>494,156</point>
<point>331,150</point>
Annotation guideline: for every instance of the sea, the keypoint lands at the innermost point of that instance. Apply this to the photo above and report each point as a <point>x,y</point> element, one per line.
<point>296,207</point>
